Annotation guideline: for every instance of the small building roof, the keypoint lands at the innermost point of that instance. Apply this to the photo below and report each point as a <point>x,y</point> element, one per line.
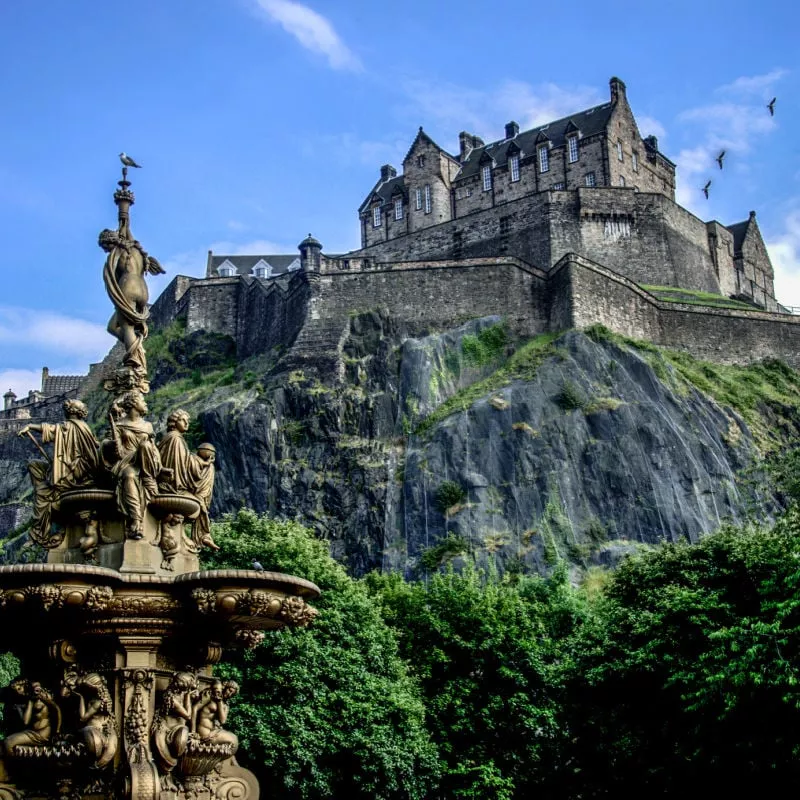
<point>54,385</point>
<point>244,264</point>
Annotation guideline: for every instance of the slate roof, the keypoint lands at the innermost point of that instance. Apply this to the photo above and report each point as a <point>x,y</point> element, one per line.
<point>739,231</point>
<point>244,264</point>
<point>385,190</point>
<point>589,122</point>
<point>54,385</point>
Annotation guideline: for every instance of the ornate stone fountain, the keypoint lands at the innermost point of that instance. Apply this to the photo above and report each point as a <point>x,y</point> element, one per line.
<point>117,633</point>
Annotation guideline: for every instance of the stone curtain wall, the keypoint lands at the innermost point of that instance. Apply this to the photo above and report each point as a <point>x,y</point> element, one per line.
<point>726,336</point>
<point>645,237</point>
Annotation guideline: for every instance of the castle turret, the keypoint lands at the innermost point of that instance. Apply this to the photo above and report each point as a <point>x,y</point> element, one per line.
<point>310,251</point>
<point>9,398</point>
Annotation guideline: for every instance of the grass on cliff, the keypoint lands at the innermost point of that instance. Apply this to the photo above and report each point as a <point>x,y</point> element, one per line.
<point>673,294</point>
<point>521,365</point>
<point>765,394</point>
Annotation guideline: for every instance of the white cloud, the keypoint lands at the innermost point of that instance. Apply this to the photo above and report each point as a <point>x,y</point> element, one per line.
<point>451,107</point>
<point>235,225</point>
<point>784,251</point>
<point>754,84</point>
<point>50,331</point>
<point>650,126</point>
<point>312,30</point>
<point>20,381</point>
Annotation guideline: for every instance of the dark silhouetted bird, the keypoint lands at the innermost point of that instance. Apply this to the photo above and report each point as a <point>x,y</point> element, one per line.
<point>128,161</point>
<point>771,106</point>
<point>721,158</point>
<point>706,188</point>
<point>257,566</point>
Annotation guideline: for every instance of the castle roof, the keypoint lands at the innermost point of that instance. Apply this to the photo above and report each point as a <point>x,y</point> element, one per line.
<point>739,231</point>
<point>54,385</point>
<point>384,190</point>
<point>244,264</point>
<point>589,122</point>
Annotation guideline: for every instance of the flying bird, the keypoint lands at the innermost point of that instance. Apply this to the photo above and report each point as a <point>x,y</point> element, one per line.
<point>771,106</point>
<point>128,161</point>
<point>257,566</point>
<point>706,188</point>
<point>720,158</point>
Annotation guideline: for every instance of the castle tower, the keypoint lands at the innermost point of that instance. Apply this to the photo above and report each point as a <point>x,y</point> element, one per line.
<point>310,252</point>
<point>8,400</point>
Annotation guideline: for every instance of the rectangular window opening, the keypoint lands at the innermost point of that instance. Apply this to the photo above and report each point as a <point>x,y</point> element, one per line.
<point>544,159</point>
<point>486,172</point>
<point>514,167</point>
<point>573,149</point>
<point>635,161</point>
<point>619,150</point>
<point>398,208</point>
<point>427,198</point>
<point>590,179</point>
<point>419,199</point>
<point>376,217</point>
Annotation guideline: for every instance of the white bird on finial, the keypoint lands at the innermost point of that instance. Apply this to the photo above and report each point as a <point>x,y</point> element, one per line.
<point>128,161</point>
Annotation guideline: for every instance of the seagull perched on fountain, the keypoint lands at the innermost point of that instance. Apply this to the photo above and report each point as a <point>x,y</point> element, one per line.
<point>771,106</point>
<point>706,188</point>
<point>128,161</point>
<point>720,158</point>
<point>258,566</point>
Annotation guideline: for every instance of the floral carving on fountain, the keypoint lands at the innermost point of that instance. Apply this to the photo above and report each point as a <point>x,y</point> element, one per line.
<point>118,632</point>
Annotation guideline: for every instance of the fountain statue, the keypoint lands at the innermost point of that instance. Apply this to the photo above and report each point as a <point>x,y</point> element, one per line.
<point>118,632</point>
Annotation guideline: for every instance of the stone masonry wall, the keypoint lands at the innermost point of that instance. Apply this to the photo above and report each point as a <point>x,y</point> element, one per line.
<point>213,305</point>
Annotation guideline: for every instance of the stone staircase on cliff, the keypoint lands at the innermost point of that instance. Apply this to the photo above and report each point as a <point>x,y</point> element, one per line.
<point>319,344</point>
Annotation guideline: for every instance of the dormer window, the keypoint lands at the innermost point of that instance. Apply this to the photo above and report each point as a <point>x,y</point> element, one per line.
<point>572,149</point>
<point>418,197</point>
<point>398,208</point>
<point>376,217</point>
<point>294,266</point>
<point>486,175</point>
<point>513,166</point>
<point>544,159</point>
<point>226,269</point>
<point>427,198</point>
<point>262,269</point>
<point>619,149</point>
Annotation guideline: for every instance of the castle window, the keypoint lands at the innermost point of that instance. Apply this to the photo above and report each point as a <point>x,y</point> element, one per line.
<point>427,198</point>
<point>486,173</point>
<point>635,161</point>
<point>418,194</point>
<point>505,225</point>
<point>421,161</point>
<point>621,180</point>
<point>559,187</point>
<point>619,149</point>
<point>572,143</point>
<point>544,159</point>
<point>398,208</point>
<point>513,167</point>
<point>590,179</point>
<point>376,217</point>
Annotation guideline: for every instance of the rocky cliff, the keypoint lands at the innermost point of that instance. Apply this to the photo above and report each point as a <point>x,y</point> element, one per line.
<point>578,447</point>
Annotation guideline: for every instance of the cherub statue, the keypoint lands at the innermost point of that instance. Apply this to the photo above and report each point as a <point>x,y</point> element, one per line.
<point>173,720</point>
<point>95,715</point>
<point>211,714</point>
<point>138,464</point>
<point>75,462</point>
<point>40,715</point>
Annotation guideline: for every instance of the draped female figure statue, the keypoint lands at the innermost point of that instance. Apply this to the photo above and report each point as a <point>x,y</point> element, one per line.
<point>126,265</point>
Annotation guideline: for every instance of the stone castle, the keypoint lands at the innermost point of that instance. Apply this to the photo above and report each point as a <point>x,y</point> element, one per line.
<point>565,225</point>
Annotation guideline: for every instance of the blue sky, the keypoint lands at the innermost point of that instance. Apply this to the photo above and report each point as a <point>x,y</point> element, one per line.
<point>258,121</point>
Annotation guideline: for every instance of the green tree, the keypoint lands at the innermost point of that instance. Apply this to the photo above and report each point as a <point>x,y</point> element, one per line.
<point>329,710</point>
<point>688,672</point>
<point>484,649</point>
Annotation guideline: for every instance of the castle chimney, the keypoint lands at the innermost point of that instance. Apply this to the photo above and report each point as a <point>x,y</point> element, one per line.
<point>617,90</point>
<point>45,375</point>
<point>752,215</point>
<point>388,172</point>
<point>310,251</point>
<point>464,146</point>
<point>512,129</point>
<point>8,399</point>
